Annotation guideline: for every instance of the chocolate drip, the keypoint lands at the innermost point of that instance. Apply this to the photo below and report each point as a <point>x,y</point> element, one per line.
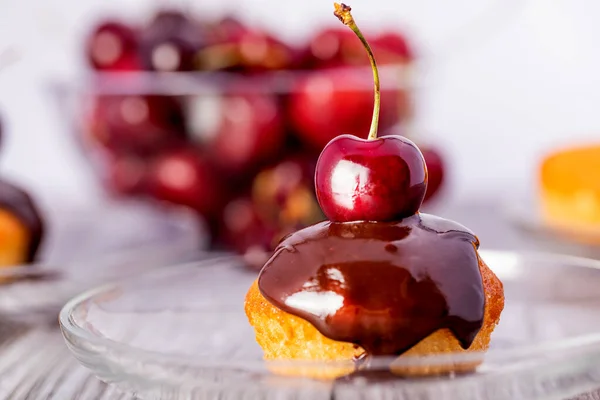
<point>384,286</point>
<point>18,203</point>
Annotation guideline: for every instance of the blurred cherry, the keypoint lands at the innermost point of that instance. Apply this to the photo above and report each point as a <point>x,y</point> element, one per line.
<point>329,103</point>
<point>435,167</point>
<point>392,47</point>
<point>247,50</point>
<point>112,46</point>
<point>281,200</point>
<point>127,174</point>
<point>244,231</point>
<point>227,29</point>
<point>139,124</point>
<point>284,194</point>
<point>171,41</point>
<point>334,48</point>
<point>184,177</point>
<point>248,134</point>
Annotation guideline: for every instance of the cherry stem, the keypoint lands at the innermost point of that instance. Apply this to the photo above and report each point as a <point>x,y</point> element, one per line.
<point>342,11</point>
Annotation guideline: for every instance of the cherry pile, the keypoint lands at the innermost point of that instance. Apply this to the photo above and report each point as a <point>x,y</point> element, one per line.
<point>244,161</point>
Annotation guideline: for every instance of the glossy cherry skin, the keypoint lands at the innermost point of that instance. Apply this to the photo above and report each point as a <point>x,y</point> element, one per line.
<point>370,180</point>
<point>112,46</point>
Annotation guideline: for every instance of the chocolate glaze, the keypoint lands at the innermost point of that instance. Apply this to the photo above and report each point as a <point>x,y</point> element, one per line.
<point>18,203</point>
<point>382,285</point>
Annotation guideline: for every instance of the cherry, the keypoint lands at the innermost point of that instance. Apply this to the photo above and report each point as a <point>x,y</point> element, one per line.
<point>394,48</point>
<point>327,102</point>
<point>183,176</point>
<point>138,124</point>
<point>332,48</point>
<point>281,201</point>
<point>112,46</point>
<point>243,229</point>
<point>228,29</point>
<point>370,180</point>
<point>170,42</point>
<point>126,174</point>
<point>249,133</point>
<point>284,193</point>
<point>377,179</point>
<point>435,167</point>
<point>246,50</point>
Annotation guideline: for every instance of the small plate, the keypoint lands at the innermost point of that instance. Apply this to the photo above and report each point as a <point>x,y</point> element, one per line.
<point>526,216</point>
<point>85,247</point>
<point>181,333</point>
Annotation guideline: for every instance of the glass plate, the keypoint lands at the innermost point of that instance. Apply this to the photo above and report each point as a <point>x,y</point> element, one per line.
<point>181,333</point>
<point>95,244</point>
<point>526,216</point>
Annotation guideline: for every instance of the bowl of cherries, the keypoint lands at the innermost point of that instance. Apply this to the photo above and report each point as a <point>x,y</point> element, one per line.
<point>228,120</point>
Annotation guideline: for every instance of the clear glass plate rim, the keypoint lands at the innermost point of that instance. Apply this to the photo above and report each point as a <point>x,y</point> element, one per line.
<point>565,348</point>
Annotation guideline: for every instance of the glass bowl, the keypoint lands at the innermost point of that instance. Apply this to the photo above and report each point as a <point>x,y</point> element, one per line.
<point>181,333</point>
<point>95,244</point>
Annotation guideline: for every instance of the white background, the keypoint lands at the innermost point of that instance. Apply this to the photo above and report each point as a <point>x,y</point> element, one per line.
<point>503,81</point>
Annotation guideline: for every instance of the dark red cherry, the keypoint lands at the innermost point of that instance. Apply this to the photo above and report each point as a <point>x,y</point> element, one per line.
<point>247,233</point>
<point>112,46</point>
<point>138,124</point>
<point>435,167</point>
<point>183,176</point>
<point>171,42</point>
<point>384,179</point>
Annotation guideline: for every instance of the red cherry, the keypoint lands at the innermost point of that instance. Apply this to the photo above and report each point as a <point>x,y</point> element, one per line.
<point>247,50</point>
<point>250,133</point>
<point>333,48</point>
<point>112,46</point>
<point>392,47</point>
<point>184,177</point>
<point>171,41</point>
<point>247,233</point>
<point>326,104</point>
<point>435,168</point>
<point>138,124</point>
<point>384,179</point>
<point>228,29</point>
<point>127,174</point>
<point>284,194</point>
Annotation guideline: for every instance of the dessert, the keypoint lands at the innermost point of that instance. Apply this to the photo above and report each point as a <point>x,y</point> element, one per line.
<point>569,196</point>
<point>379,278</point>
<point>21,227</point>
